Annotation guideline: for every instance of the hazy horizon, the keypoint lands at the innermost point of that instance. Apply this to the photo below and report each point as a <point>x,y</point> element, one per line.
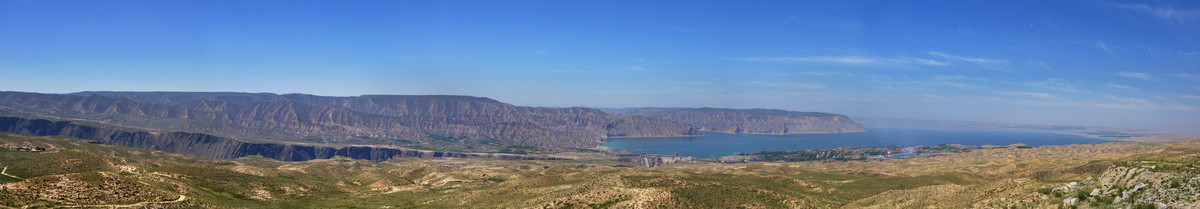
<point>1102,63</point>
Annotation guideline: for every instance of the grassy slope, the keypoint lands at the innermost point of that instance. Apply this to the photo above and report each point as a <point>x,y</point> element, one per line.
<point>74,172</point>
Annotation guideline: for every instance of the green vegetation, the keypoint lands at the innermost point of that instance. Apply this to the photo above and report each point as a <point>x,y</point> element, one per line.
<point>519,149</point>
<point>447,138</point>
<point>64,162</point>
<point>1145,206</point>
<point>1163,165</point>
<point>585,150</point>
<point>393,140</point>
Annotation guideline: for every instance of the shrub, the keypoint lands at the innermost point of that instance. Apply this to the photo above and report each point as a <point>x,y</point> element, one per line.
<point>1081,194</point>
<point>1045,190</point>
<point>1145,206</point>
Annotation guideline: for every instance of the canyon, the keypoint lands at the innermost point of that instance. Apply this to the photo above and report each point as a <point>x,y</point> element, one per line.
<point>204,145</point>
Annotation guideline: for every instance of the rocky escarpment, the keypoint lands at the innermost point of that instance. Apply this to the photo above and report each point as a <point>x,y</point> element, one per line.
<point>204,145</point>
<point>443,122</point>
<point>752,121</point>
<point>575,120</point>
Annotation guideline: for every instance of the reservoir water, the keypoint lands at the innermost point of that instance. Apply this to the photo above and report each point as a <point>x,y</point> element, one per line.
<point>721,144</point>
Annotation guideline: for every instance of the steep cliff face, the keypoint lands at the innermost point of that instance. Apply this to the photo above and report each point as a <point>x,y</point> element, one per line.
<point>462,110</point>
<point>204,145</point>
<point>752,121</point>
<point>452,122</point>
<point>637,127</point>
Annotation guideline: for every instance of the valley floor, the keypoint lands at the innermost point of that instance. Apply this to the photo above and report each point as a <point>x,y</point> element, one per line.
<point>74,173</point>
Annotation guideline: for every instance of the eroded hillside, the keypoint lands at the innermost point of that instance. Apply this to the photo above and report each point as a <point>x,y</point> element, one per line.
<point>74,172</point>
<point>436,122</point>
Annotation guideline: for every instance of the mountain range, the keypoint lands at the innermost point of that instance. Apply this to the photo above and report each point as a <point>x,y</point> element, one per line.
<point>433,122</point>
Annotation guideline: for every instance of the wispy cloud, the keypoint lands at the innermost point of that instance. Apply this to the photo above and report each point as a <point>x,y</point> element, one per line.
<point>1118,86</point>
<point>921,61</point>
<point>1193,77</point>
<point>1029,94</point>
<point>847,59</point>
<point>1041,64</point>
<point>949,77</point>
<point>1111,106</point>
<point>1054,84</point>
<point>805,93</point>
<point>1053,103</point>
<point>1164,13</point>
<point>1142,76</point>
<point>949,80</point>
<point>807,86</point>
<point>1185,54</point>
<point>638,68</point>
<point>1184,108</point>
<point>1190,96</point>
<point>571,71</point>
<point>635,92</point>
<point>1102,45</point>
<point>932,98</point>
<point>815,59</point>
<point>700,83</point>
<point>1129,100</point>
<point>994,64</point>
<point>931,83</point>
<point>1082,98</point>
<point>945,60</point>
<point>824,74</point>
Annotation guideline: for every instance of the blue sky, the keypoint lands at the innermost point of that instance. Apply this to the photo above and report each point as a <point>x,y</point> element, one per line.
<point>1118,63</point>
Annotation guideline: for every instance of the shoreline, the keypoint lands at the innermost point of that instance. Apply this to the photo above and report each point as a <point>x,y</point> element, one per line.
<point>601,147</point>
<point>723,132</point>
<point>785,134</point>
<point>880,130</point>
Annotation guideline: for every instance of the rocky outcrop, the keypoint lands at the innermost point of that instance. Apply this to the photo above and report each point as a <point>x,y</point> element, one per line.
<point>204,145</point>
<point>752,121</point>
<point>1130,184</point>
<point>434,121</point>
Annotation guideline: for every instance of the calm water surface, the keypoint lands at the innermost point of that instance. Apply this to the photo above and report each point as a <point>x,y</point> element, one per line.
<point>719,144</point>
